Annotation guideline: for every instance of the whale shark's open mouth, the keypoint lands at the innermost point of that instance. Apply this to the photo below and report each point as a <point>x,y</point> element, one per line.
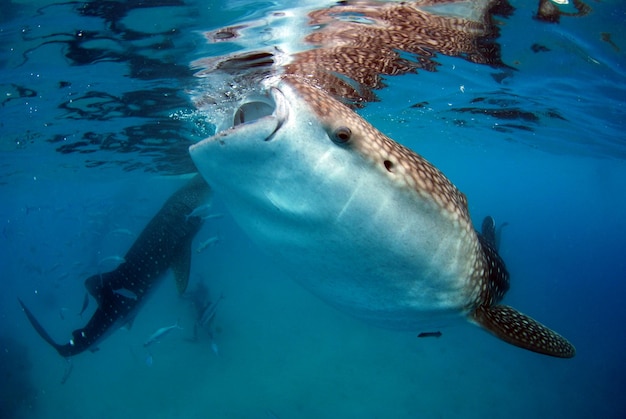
<point>257,116</point>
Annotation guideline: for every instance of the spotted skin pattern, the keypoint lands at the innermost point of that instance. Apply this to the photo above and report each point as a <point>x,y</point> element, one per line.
<point>362,41</point>
<point>520,330</point>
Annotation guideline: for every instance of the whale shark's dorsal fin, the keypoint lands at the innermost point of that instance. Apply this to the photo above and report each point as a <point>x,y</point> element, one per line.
<point>520,330</point>
<point>490,233</point>
<point>488,230</point>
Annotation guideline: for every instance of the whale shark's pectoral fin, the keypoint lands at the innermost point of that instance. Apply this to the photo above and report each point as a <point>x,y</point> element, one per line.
<point>181,266</point>
<point>520,330</point>
<point>95,284</point>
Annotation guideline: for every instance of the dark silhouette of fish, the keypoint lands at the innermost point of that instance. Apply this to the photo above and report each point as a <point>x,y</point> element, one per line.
<point>85,304</point>
<point>436,334</point>
<point>163,244</point>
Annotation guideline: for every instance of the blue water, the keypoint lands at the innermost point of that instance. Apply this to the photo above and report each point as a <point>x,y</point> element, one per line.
<point>95,122</point>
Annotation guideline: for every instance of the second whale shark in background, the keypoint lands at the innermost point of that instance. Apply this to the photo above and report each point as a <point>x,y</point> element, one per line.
<point>163,244</point>
<point>363,222</point>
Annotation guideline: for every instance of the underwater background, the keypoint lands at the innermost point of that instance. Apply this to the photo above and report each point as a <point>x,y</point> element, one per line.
<point>96,117</point>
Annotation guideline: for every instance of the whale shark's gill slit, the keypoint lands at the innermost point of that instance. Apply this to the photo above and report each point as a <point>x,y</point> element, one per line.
<point>278,126</point>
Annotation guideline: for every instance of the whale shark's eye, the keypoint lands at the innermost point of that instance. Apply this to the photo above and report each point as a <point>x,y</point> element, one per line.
<point>342,135</point>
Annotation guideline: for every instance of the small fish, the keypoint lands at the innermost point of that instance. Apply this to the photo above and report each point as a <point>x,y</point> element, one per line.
<point>212,216</point>
<point>215,349</point>
<point>62,311</point>
<point>160,333</point>
<point>122,232</point>
<point>209,311</point>
<point>429,334</point>
<point>149,360</point>
<point>124,292</point>
<point>194,338</point>
<point>210,241</point>
<point>69,367</point>
<point>112,259</point>
<point>200,211</point>
<point>606,37</point>
<point>62,276</point>
<point>54,267</point>
<point>85,304</point>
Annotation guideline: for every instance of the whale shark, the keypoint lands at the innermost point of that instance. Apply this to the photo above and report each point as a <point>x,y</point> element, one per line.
<point>165,243</point>
<point>363,222</point>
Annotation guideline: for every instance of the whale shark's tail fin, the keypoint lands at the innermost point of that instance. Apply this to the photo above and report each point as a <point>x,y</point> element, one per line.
<point>520,330</point>
<point>63,350</point>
